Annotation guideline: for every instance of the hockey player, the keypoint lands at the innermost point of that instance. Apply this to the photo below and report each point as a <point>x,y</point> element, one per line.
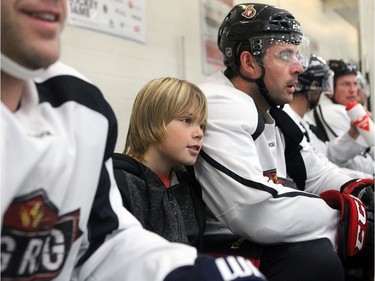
<point>315,80</point>
<point>250,148</point>
<point>61,213</point>
<point>348,148</point>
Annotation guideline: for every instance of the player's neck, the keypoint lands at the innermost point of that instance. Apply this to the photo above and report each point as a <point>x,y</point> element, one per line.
<point>11,91</point>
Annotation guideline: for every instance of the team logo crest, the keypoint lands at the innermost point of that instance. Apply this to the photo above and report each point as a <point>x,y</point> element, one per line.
<point>249,12</point>
<point>272,176</point>
<point>36,239</point>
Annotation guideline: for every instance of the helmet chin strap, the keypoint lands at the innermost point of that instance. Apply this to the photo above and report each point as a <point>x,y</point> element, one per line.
<point>16,70</point>
<point>261,86</point>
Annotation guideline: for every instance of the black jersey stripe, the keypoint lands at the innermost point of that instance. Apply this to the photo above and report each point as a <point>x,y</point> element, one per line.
<point>61,89</point>
<point>250,183</point>
<point>64,88</point>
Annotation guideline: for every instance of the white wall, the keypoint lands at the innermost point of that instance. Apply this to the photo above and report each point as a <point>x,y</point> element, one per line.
<point>367,24</point>
<point>332,36</point>
<point>120,67</point>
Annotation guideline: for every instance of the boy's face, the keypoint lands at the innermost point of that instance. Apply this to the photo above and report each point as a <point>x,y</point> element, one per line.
<point>30,31</point>
<point>282,68</point>
<point>183,141</point>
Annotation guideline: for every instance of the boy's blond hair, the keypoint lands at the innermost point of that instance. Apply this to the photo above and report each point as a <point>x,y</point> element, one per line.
<point>158,103</point>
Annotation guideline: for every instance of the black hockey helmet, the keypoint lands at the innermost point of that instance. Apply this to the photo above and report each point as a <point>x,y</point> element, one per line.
<point>318,77</point>
<point>341,68</point>
<point>255,25</point>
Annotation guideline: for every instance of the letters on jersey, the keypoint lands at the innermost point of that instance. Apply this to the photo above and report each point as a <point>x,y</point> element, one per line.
<point>35,240</point>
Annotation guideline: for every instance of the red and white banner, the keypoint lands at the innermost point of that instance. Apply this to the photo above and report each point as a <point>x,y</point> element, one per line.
<point>213,13</point>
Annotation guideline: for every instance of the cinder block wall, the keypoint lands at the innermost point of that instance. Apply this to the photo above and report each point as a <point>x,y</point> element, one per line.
<point>120,67</point>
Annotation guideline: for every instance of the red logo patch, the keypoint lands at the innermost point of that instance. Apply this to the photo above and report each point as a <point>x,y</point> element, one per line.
<point>249,12</point>
<point>363,123</point>
<point>35,240</point>
<point>272,175</point>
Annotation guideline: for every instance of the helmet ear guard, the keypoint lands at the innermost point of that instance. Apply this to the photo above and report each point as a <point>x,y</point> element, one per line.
<point>315,80</point>
<point>318,72</point>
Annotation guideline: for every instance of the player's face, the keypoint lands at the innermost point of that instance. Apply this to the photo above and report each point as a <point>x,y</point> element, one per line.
<point>183,141</point>
<point>346,89</point>
<point>282,68</point>
<point>30,31</point>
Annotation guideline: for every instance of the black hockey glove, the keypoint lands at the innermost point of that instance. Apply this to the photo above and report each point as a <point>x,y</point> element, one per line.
<point>217,269</point>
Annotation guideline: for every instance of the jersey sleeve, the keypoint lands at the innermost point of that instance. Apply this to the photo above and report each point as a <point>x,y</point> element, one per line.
<point>347,152</point>
<point>320,173</point>
<point>340,148</point>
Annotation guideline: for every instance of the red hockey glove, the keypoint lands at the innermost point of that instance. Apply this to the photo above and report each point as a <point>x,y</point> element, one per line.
<point>362,189</point>
<point>355,229</point>
<point>361,266</point>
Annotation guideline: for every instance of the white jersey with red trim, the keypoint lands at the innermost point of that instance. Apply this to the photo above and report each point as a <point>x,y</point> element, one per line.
<point>342,149</point>
<point>319,147</point>
<point>62,216</point>
<point>239,151</point>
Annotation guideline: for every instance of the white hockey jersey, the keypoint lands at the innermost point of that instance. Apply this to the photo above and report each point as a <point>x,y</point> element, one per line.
<point>319,147</point>
<point>341,148</point>
<point>240,166</point>
<point>62,216</point>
